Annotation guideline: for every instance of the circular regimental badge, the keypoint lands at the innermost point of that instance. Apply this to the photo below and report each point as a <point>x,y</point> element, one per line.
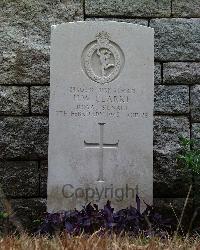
<point>102,59</point>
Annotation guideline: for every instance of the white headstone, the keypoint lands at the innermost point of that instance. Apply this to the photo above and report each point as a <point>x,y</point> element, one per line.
<point>101,115</point>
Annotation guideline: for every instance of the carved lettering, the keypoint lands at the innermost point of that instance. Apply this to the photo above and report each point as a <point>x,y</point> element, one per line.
<point>102,102</point>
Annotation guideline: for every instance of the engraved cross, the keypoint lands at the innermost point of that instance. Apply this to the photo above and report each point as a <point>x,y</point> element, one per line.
<point>101,145</point>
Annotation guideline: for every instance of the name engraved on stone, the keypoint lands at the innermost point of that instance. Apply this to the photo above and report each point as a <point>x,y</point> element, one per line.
<point>102,59</point>
<point>102,101</point>
<point>101,145</point>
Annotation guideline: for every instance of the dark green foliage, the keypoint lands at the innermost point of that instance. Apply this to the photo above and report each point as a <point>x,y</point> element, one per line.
<point>3,215</point>
<point>190,155</point>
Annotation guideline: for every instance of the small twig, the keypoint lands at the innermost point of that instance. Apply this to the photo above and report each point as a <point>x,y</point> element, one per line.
<point>185,204</point>
<point>191,222</point>
<point>176,218</point>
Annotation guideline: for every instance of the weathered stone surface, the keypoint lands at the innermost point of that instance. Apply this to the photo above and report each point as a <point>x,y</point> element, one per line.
<point>135,21</point>
<point>196,133</point>
<point>92,143</point>
<point>167,131</point>
<point>167,206</point>
<point>25,38</point>
<point>28,210</point>
<point>19,178</point>
<point>43,178</point>
<point>14,100</point>
<point>195,103</point>
<point>171,99</point>
<point>170,180</point>
<point>157,73</point>
<point>137,8</point>
<point>177,39</point>
<point>167,176</point>
<point>185,8</point>
<point>181,73</point>
<point>40,99</point>
<point>24,137</point>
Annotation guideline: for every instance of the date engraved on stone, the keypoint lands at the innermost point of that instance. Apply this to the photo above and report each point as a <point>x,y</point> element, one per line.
<point>102,59</point>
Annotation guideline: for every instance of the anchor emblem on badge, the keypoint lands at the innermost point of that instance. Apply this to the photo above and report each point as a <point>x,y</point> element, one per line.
<point>102,59</point>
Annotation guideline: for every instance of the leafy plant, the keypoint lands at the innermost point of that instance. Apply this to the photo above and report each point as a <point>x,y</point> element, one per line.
<point>3,215</point>
<point>190,155</point>
<point>91,219</point>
